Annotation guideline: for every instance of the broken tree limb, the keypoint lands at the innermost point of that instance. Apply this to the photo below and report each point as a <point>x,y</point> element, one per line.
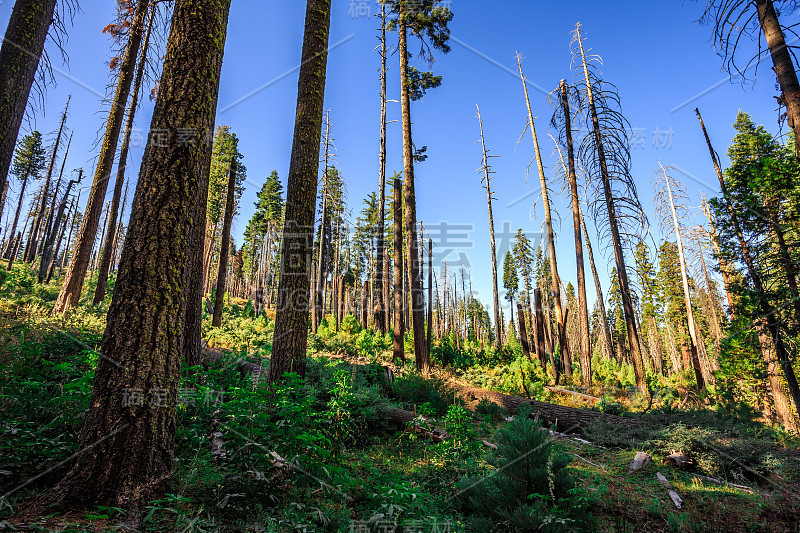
<point>559,390</point>
<point>672,494</point>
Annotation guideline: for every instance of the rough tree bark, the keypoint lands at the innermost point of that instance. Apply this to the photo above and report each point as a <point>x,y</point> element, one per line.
<point>73,283</point>
<point>291,322</point>
<point>410,207</point>
<point>127,442</point>
<point>108,247</point>
<point>22,48</point>
<point>382,320</point>
<point>49,234</point>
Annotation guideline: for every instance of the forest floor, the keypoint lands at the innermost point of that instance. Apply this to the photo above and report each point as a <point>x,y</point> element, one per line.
<point>321,454</point>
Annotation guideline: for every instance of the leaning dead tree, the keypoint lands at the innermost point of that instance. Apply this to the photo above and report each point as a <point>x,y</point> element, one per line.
<point>605,153</point>
<point>487,181</point>
<point>561,323</point>
<point>670,200</point>
<point>734,22</point>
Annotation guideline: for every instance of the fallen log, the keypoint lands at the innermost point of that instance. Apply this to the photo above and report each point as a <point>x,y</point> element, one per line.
<point>679,460</point>
<point>564,418</point>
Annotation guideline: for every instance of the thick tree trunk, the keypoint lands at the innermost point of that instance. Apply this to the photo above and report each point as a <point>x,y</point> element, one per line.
<point>561,326</point>
<point>410,207</point>
<point>619,255</point>
<point>585,344</point>
<point>291,323</point>
<point>398,328</point>
<point>783,65</point>
<point>225,246</point>
<point>20,52</point>
<point>108,247</point>
<point>127,441</point>
<point>73,283</point>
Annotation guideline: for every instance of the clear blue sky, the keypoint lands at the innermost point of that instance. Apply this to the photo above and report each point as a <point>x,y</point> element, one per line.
<point>655,53</point>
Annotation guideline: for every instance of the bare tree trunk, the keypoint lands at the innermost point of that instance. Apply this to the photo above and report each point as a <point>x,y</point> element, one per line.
<point>410,207</point>
<point>487,171</point>
<point>108,248</point>
<point>584,344</point>
<point>291,323</point>
<point>619,256</point>
<point>430,295</point>
<point>49,234</point>
<point>73,283</point>
<point>398,329</point>
<point>523,334</point>
<point>687,297</point>
<point>23,45</point>
<point>39,217</point>
<point>48,258</point>
<point>319,307</point>
<point>127,446</point>
<point>783,65</point>
<point>563,347</point>
<point>222,269</point>
<point>66,222</point>
<point>723,264</point>
<point>382,321</point>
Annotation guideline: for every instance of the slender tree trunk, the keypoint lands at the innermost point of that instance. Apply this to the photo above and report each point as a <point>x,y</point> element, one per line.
<point>382,322</point>
<point>48,258</point>
<point>687,297</point>
<point>222,270</point>
<point>127,441</point>
<point>398,328</point>
<point>66,222</point>
<point>487,181</point>
<point>619,256</point>
<point>73,283</point>
<point>23,45</point>
<point>723,264</point>
<point>11,241</point>
<point>783,65</point>
<point>291,323</point>
<point>773,348</point>
<point>410,220</point>
<point>108,247</point>
<point>319,308</point>
<point>584,344</point>
<point>430,296</point>
<point>49,231</point>
<point>561,327</point>
<point>33,246</point>
<point>523,334</point>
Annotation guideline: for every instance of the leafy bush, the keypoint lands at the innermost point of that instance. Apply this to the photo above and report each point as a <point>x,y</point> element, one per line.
<point>414,390</point>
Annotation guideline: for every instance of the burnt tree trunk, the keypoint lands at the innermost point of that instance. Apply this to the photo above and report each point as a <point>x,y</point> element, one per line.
<point>127,442</point>
<point>291,322</point>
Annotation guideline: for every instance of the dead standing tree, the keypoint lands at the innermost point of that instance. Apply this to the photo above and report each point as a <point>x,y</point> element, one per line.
<point>562,122</point>
<point>561,325</point>
<point>605,153</point>
<point>487,177</point>
<point>670,200</point>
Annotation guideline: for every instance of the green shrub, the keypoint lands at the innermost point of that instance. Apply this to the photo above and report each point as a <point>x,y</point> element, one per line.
<point>414,390</point>
<point>532,488</point>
